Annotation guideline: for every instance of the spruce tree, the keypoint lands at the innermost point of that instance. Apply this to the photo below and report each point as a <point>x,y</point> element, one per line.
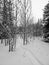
<point>46,22</point>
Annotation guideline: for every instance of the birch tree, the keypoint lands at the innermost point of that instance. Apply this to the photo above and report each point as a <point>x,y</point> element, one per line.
<point>25,14</point>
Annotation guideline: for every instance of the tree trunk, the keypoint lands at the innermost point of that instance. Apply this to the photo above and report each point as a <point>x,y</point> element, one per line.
<point>14,43</point>
<point>24,39</point>
<point>1,41</point>
<point>10,45</point>
<point>5,42</point>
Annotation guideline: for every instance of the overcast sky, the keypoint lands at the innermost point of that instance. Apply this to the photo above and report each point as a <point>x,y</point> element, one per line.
<point>37,6</point>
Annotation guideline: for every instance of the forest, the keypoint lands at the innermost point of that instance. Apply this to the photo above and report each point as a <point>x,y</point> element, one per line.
<point>17,19</point>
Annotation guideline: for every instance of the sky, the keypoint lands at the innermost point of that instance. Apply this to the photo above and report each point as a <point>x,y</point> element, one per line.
<point>37,8</point>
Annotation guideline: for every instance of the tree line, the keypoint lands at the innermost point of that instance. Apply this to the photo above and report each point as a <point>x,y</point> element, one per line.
<point>17,19</point>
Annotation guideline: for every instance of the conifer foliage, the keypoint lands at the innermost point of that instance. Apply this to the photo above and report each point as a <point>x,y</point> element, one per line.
<point>46,22</point>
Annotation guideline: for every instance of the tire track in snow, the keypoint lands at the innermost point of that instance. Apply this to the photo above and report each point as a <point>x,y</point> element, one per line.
<point>31,57</point>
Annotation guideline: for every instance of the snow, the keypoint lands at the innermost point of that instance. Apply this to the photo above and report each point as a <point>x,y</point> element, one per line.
<point>40,50</point>
<point>35,53</point>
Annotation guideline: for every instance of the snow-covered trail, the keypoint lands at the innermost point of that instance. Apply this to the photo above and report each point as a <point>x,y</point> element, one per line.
<point>22,56</point>
<point>40,51</point>
<point>31,56</point>
<point>35,53</point>
<point>13,58</point>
